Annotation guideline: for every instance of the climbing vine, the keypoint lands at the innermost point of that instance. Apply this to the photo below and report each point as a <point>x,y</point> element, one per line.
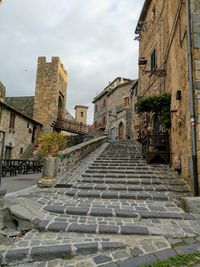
<point>156,104</point>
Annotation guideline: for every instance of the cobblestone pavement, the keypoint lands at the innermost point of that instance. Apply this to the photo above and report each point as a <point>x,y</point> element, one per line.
<point>112,210</point>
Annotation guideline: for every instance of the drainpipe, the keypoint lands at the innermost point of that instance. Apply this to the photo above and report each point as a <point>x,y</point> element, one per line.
<point>192,103</point>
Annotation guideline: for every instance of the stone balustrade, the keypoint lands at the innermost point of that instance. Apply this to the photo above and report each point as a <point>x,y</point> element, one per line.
<point>56,167</point>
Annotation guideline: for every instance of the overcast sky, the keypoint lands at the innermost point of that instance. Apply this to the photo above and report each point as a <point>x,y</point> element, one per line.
<point>93,38</point>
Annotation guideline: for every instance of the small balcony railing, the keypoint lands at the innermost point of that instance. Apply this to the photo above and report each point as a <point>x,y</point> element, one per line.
<point>155,148</point>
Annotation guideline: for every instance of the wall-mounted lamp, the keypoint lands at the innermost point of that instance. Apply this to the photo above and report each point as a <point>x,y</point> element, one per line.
<point>142,63</point>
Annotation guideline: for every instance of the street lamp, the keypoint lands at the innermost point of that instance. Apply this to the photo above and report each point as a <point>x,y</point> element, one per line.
<point>2,143</point>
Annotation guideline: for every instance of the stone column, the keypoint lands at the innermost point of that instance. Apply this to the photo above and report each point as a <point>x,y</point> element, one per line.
<point>49,172</point>
<point>3,210</point>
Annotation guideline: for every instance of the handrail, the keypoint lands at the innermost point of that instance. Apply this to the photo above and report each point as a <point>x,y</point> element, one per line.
<point>18,166</point>
<point>72,126</point>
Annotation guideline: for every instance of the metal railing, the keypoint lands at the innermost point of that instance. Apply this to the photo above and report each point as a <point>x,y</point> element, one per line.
<point>73,127</point>
<point>14,167</point>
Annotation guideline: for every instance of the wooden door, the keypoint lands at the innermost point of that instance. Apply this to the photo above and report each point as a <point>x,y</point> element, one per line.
<point>121,131</point>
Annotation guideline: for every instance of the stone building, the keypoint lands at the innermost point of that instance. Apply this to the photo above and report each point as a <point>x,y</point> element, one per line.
<point>81,114</point>
<point>23,118</point>
<point>112,109</point>
<point>169,62</point>
<point>21,131</point>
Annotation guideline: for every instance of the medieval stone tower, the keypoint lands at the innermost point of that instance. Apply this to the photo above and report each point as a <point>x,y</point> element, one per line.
<point>81,114</point>
<point>50,92</point>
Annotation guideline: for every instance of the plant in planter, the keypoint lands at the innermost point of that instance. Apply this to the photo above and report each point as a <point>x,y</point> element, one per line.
<point>156,104</point>
<point>51,143</point>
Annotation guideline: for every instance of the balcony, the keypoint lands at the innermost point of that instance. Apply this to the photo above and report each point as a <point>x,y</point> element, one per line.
<point>155,148</point>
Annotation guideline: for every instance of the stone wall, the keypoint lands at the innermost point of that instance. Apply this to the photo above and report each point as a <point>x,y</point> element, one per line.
<point>68,158</point>
<point>165,31</point>
<point>195,21</point>
<point>81,114</point>
<point>50,92</point>
<point>23,104</point>
<point>19,138</point>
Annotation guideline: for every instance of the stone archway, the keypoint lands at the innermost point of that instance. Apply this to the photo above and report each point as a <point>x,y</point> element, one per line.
<point>121,131</point>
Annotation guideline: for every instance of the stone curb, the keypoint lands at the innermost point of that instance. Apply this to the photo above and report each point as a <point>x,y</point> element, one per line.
<point>151,258</point>
<point>123,213</point>
<point>50,252</point>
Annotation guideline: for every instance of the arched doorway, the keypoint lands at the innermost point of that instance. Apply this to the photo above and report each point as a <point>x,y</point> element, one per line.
<point>121,131</point>
<point>60,108</point>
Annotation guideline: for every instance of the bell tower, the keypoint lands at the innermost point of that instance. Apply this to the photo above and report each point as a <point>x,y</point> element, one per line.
<point>50,92</point>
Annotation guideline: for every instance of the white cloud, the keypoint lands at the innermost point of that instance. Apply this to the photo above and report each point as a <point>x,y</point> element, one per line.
<point>93,38</point>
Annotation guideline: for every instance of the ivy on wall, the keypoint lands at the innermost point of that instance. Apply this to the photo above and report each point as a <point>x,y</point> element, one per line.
<point>156,104</point>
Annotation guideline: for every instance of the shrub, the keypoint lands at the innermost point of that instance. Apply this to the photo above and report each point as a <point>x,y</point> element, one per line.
<point>51,143</point>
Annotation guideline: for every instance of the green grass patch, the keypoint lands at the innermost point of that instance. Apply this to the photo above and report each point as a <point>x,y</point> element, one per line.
<point>180,260</point>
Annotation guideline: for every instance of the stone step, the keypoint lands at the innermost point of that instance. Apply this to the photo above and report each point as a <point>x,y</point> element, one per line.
<point>150,195</point>
<point>127,170</point>
<point>130,188</point>
<point>109,160</point>
<point>137,181</point>
<point>127,166</point>
<point>126,176</point>
<point>57,226</point>
<point>120,171</point>
<point>59,251</point>
<point>157,212</point>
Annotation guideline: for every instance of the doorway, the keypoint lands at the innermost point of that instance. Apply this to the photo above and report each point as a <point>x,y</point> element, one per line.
<point>121,131</point>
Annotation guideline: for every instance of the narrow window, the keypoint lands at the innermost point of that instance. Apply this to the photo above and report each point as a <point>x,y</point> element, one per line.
<point>12,121</point>
<point>27,124</point>
<point>21,150</point>
<point>153,60</point>
<point>96,108</point>
<point>81,114</point>
<point>153,14</point>
<point>104,103</point>
<point>104,121</point>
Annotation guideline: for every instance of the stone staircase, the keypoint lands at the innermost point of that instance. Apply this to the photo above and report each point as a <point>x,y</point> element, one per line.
<point>118,204</point>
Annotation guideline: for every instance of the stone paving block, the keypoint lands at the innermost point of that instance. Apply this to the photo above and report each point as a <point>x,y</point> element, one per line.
<point>136,230</point>
<point>57,226</point>
<point>138,261</point>
<point>55,209</point>
<point>165,254</point>
<point>101,212</point>
<point>45,253</point>
<point>82,228</point>
<point>16,255</point>
<point>86,248</point>
<point>109,195</point>
<point>187,249</point>
<point>121,255</point>
<point>136,252</point>
<point>112,245</point>
<point>102,259</point>
<point>125,213</point>
<point>39,224</point>
<point>90,194</point>
<point>108,229</point>
<point>77,210</point>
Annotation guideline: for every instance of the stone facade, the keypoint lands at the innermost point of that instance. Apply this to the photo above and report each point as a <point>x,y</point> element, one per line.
<point>23,104</point>
<point>112,111</point>
<point>162,31</point>
<point>50,92</point>
<point>20,134</point>
<point>81,114</point>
